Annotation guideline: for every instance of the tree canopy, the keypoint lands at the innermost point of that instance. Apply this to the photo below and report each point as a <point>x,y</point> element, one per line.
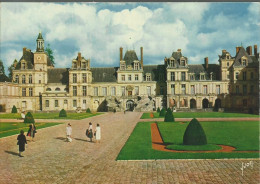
<point>2,67</point>
<point>10,69</point>
<point>50,53</point>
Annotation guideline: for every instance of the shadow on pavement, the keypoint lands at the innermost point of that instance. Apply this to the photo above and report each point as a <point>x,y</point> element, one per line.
<point>62,138</point>
<point>12,153</point>
<point>82,140</point>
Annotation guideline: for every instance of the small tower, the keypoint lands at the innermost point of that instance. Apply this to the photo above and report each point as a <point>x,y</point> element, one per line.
<point>40,43</point>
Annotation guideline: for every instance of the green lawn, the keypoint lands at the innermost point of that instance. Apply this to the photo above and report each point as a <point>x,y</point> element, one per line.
<point>242,135</point>
<point>193,147</point>
<point>7,129</point>
<point>200,115</point>
<point>51,115</point>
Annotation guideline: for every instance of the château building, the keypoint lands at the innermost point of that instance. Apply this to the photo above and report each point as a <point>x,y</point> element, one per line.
<point>38,86</point>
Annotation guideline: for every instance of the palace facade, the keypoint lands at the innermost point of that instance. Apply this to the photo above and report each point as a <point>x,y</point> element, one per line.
<point>38,86</point>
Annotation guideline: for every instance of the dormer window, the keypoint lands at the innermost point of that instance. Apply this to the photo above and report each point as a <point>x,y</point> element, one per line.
<point>202,76</point>
<point>192,77</point>
<point>148,77</point>
<point>228,57</point>
<point>244,62</point>
<point>84,66</point>
<point>74,65</point>
<point>136,66</point>
<point>182,63</point>
<point>171,63</point>
<point>23,66</point>
<point>122,66</point>
<point>227,63</point>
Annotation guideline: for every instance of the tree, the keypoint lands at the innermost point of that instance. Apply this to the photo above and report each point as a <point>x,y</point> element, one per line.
<point>29,118</point>
<point>50,53</point>
<point>169,116</point>
<point>63,113</point>
<point>11,68</point>
<point>2,68</point>
<point>88,110</point>
<point>14,109</point>
<point>163,112</point>
<point>158,110</point>
<point>194,134</point>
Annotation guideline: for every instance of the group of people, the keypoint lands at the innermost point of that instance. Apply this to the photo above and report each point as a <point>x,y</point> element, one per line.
<point>22,139</point>
<point>90,133</point>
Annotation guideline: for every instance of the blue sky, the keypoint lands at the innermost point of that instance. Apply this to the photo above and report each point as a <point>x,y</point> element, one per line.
<point>97,30</point>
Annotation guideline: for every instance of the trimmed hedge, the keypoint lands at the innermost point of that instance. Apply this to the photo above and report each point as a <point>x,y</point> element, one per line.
<point>194,134</point>
<point>29,118</point>
<point>88,110</point>
<point>158,110</point>
<point>163,112</point>
<point>14,109</point>
<point>63,113</point>
<point>169,116</point>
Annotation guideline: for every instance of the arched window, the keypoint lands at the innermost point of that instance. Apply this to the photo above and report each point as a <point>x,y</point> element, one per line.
<point>48,89</point>
<point>57,89</point>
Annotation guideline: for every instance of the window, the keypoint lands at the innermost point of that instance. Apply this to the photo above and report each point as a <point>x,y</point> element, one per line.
<point>237,89</point>
<point>183,89</point>
<point>23,91</point>
<point>95,91</point>
<point>74,78</point>
<point>74,103</point>
<point>56,103</point>
<point>136,90</point>
<point>40,81</point>
<point>17,78</point>
<point>192,77</point>
<point>244,89</point>
<point>57,89</point>
<point>161,90</point>
<point>172,76</point>
<point>23,79</point>
<point>129,77</point>
<point>30,79</point>
<point>113,91</point>
<point>104,91</point>
<point>65,101</point>
<point>23,104</point>
<point>23,66</point>
<point>192,89</point>
<point>227,63</point>
<point>172,89</point>
<point>202,77</point>
<point>48,89</point>
<point>252,75</point>
<point>123,91</point>
<point>84,102</point>
<point>182,62</point>
<point>123,66</point>
<point>149,90</point>
<point>205,89</point>
<point>244,75</point>
<point>218,89</point>
<point>84,90</point>
<point>237,74</point>
<point>244,62</point>
<point>228,76</point>
<point>251,89</point>
<point>136,66</point>
<point>84,66</point>
<point>75,65</point>
<point>183,77</point>
<point>136,77</point>
<point>74,90</point>
<point>123,77</point>
<point>47,103</point>
<point>84,77</point>
<point>30,91</point>
<point>148,77</point>
<point>171,63</point>
<point>244,102</point>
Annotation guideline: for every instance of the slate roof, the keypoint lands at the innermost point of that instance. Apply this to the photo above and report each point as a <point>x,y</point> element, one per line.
<point>155,71</point>
<point>4,78</point>
<point>200,68</point>
<point>58,75</point>
<point>104,74</point>
<point>240,54</point>
<point>28,57</point>
<point>130,56</point>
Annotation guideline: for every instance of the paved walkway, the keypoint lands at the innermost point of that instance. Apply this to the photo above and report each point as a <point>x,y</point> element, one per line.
<point>52,160</point>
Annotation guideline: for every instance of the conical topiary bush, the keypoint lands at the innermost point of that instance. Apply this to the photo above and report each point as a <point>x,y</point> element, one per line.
<point>63,113</point>
<point>29,118</point>
<point>169,116</point>
<point>163,112</point>
<point>88,110</point>
<point>14,109</point>
<point>194,134</point>
<point>158,110</point>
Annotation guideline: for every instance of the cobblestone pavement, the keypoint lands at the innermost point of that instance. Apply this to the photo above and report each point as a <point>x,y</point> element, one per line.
<point>52,160</point>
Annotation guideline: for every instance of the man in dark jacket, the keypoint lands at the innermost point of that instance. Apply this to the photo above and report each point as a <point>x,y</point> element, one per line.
<point>21,142</point>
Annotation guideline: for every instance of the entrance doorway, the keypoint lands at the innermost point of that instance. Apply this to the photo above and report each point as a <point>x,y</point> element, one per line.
<point>130,105</point>
<point>205,103</point>
<point>192,103</point>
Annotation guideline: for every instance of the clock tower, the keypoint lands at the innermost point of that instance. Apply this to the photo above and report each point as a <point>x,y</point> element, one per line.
<point>40,57</point>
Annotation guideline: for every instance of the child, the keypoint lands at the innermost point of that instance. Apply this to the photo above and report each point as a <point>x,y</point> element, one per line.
<point>69,131</point>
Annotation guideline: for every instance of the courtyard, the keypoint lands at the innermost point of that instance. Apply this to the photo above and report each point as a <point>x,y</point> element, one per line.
<point>50,159</point>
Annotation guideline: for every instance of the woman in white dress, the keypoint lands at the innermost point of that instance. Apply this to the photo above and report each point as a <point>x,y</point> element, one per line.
<point>98,133</point>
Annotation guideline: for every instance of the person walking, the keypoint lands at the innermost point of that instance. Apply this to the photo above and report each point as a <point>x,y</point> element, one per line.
<point>21,142</point>
<point>89,132</point>
<point>69,132</point>
<point>98,133</point>
<point>32,131</point>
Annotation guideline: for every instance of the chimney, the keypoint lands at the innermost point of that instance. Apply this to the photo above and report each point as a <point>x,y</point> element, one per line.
<point>79,56</point>
<point>142,61</point>
<point>121,53</point>
<point>255,50</point>
<point>165,61</point>
<point>179,50</point>
<point>206,60</point>
<point>24,50</point>
<point>249,50</point>
<point>237,49</point>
